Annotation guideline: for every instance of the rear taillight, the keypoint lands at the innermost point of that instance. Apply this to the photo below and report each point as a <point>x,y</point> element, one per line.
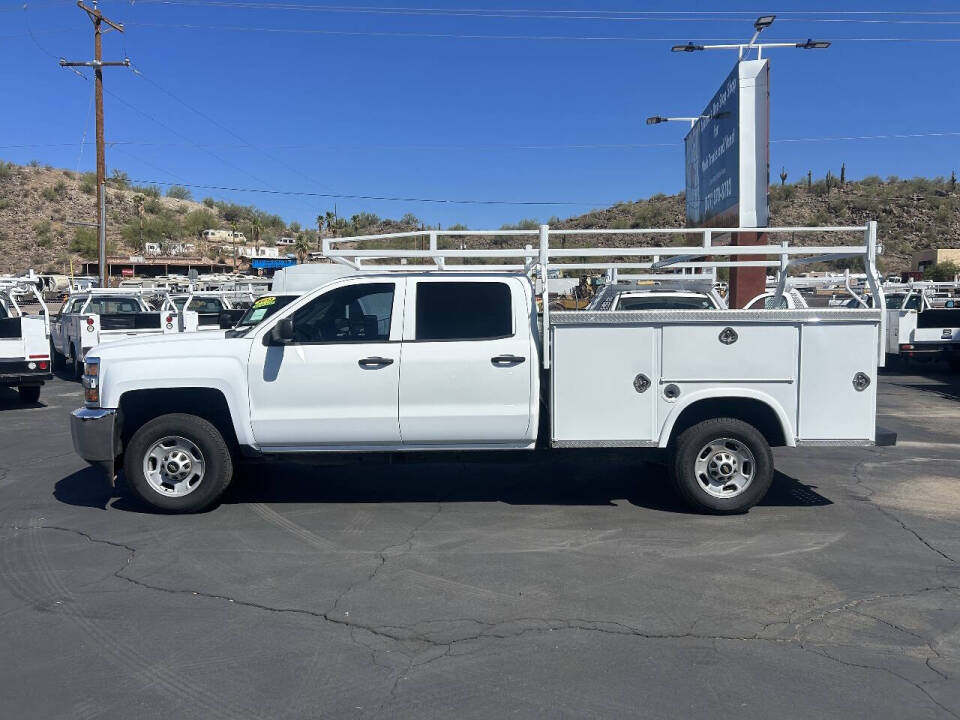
<point>89,321</point>
<point>169,319</point>
<point>42,364</point>
<point>906,347</point>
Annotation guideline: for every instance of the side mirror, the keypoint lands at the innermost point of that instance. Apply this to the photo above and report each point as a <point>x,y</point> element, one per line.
<point>282,332</point>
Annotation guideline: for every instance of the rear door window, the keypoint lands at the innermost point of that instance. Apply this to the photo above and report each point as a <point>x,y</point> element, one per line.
<point>463,311</point>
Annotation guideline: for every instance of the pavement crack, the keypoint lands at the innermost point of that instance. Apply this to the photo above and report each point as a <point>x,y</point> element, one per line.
<point>385,554</point>
<point>919,686</point>
<point>886,513</point>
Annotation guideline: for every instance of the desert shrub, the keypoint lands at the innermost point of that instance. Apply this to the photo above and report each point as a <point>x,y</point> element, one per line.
<point>119,179</point>
<point>88,183</point>
<point>941,272</point>
<point>147,190</point>
<point>84,242</point>
<point>178,192</point>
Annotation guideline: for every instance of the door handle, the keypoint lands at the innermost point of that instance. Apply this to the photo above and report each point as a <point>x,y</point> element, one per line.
<point>507,360</point>
<point>375,362</point>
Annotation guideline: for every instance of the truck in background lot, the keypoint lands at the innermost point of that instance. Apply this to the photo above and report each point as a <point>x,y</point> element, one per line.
<point>440,356</point>
<point>98,316</point>
<point>916,330</point>
<point>24,341</point>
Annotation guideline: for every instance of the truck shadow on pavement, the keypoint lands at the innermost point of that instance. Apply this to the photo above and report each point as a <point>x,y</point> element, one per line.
<point>532,483</point>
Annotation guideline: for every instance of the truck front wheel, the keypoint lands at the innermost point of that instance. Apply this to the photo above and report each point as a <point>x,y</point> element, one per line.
<point>178,463</point>
<point>722,466</point>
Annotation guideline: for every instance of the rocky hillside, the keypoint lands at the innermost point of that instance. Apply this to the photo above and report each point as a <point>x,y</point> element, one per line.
<point>37,202</point>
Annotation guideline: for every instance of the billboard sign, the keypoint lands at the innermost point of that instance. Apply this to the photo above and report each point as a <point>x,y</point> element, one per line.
<point>727,152</point>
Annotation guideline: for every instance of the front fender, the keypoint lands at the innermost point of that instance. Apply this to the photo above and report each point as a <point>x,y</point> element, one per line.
<point>734,393</point>
<point>226,374</point>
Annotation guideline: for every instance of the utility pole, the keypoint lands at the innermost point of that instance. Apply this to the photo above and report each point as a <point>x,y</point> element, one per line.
<point>97,18</point>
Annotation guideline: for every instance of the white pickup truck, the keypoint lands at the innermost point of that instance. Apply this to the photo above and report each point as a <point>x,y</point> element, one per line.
<point>915,328</point>
<point>456,357</point>
<point>98,316</point>
<point>24,341</point>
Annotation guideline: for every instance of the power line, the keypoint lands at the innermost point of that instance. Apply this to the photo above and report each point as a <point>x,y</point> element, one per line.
<point>342,196</point>
<point>469,36</point>
<point>567,14</point>
<point>480,147</point>
<point>223,127</point>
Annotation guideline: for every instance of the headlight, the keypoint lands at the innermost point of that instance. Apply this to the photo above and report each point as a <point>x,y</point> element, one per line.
<point>91,382</point>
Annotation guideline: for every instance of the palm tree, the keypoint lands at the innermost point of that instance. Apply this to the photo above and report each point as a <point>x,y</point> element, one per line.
<point>330,218</point>
<point>301,247</point>
<point>321,222</point>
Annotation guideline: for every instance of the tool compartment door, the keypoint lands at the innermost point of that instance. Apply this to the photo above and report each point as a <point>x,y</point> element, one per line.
<point>595,400</point>
<point>831,407</point>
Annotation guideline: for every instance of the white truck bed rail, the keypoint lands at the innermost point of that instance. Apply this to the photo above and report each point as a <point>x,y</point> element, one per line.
<point>700,258</point>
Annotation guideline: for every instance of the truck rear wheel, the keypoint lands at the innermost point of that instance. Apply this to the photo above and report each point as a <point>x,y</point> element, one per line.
<point>29,393</point>
<point>56,359</point>
<point>722,466</point>
<point>76,366</point>
<point>178,463</point>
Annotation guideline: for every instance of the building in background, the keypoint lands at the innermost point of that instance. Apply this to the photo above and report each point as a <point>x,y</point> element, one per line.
<point>922,259</point>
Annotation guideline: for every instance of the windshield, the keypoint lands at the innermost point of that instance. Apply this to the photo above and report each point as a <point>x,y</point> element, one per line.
<point>263,308</point>
<point>3,311</point>
<point>664,302</point>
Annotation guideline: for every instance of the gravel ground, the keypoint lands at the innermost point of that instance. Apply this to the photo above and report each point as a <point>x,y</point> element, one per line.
<point>573,585</point>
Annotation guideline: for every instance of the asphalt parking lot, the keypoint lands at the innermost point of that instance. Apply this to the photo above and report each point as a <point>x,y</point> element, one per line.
<point>574,586</point>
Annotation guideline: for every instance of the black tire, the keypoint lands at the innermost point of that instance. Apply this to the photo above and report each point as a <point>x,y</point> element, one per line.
<point>29,393</point>
<point>76,367</point>
<point>218,463</point>
<point>57,360</point>
<point>688,448</point>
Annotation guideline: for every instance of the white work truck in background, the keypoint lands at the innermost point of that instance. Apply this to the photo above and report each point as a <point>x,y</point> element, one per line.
<point>98,316</point>
<point>439,356</point>
<point>916,330</point>
<point>24,340</point>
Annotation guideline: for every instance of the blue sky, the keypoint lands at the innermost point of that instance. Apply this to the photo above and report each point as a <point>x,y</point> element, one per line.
<point>297,96</point>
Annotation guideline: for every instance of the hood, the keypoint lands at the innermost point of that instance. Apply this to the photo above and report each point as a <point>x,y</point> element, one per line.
<point>173,345</point>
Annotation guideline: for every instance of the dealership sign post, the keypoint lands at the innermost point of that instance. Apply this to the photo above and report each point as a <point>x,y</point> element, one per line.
<point>728,152</point>
<point>728,166</point>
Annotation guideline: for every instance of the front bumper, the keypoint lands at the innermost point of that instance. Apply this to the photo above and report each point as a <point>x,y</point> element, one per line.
<point>95,437</point>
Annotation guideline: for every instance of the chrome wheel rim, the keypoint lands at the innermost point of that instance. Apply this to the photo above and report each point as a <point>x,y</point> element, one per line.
<point>725,468</point>
<point>174,466</point>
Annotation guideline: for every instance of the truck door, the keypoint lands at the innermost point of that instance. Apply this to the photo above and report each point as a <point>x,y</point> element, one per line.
<point>469,374</point>
<point>336,383</point>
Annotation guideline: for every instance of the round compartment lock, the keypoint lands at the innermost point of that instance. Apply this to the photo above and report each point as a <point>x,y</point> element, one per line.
<point>861,381</point>
<point>671,392</point>
<point>728,336</point>
<point>641,383</point>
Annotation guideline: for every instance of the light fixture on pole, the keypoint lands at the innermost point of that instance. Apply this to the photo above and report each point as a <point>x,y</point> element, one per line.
<point>759,25</point>
<point>658,119</point>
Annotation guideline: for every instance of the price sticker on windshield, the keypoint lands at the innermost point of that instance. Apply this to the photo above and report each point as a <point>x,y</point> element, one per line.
<point>264,302</point>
